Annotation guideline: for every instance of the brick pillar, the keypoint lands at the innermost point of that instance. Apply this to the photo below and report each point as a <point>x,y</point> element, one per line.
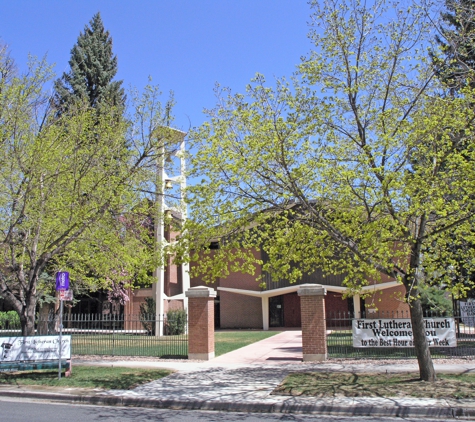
<point>314,330</point>
<point>200,322</point>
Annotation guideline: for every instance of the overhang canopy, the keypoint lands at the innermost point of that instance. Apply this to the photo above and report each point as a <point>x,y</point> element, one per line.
<point>294,288</point>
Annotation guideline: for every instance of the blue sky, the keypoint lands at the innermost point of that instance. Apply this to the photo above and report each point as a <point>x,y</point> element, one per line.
<point>184,45</point>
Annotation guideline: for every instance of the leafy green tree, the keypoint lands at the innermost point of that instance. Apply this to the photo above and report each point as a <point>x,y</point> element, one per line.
<point>93,68</point>
<point>348,167</point>
<point>67,203</point>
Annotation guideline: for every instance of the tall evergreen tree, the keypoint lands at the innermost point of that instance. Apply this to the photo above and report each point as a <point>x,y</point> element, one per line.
<point>93,68</point>
<point>457,41</point>
<point>456,69</point>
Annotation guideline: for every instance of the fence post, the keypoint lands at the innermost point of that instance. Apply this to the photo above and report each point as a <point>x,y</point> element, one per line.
<point>200,322</point>
<point>314,330</point>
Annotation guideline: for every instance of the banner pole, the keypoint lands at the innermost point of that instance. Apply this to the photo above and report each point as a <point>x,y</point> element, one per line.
<point>60,335</point>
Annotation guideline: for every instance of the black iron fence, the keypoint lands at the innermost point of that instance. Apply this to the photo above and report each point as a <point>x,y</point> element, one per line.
<point>340,337</point>
<point>118,335</point>
<point>135,335</point>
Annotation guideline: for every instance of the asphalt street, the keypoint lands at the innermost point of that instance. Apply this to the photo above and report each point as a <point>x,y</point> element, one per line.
<point>20,410</point>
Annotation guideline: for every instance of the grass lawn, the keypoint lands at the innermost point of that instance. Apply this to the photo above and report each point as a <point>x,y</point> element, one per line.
<point>125,378</point>
<point>227,341</point>
<point>86,377</point>
<point>130,345</point>
<point>164,347</point>
<point>339,384</point>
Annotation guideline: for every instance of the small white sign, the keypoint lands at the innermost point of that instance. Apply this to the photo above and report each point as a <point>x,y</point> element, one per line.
<point>467,313</point>
<point>65,295</point>
<point>440,332</point>
<point>14,349</point>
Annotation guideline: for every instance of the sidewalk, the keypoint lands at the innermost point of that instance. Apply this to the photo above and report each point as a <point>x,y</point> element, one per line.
<point>243,380</point>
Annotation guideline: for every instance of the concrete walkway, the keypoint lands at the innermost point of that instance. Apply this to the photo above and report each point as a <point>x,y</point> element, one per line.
<point>243,381</point>
<point>285,347</point>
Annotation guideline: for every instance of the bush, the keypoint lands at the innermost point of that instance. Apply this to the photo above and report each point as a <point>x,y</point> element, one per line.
<point>436,301</point>
<point>147,315</point>
<point>9,320</point>
<point>176,322</point>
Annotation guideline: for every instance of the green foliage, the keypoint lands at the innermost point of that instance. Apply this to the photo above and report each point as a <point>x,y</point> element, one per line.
<point>175,322</point>
<point>436,301</point>
<point>93,67</point>
<point>71,192</point>
<point>148,315</point>
<point>349,166</point>
<point>9,320</point>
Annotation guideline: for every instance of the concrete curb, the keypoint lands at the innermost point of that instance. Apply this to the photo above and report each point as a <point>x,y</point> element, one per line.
<point>106,399</point>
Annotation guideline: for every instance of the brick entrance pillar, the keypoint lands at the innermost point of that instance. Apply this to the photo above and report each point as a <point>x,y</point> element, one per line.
<point>200,322</point>
<point>314,330</point>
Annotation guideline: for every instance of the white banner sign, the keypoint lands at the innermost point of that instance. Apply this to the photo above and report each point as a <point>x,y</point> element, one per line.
<point>440,332</point>
<point>14,349</point>
<point>467,313</point>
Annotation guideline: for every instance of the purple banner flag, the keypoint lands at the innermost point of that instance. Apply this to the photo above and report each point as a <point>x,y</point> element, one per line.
<point>62,280</point>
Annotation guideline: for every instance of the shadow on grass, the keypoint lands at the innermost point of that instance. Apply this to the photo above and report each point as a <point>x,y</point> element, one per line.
<point>86,377</point>
<point>348,384</point>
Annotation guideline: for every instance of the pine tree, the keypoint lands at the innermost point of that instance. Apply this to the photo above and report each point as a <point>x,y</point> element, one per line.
<point>93,67</point>
<point>457,41</point>
<point>456,69</point>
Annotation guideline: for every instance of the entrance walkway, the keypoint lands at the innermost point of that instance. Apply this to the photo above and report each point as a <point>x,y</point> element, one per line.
<point>244,381</point>
<point>285,347</point>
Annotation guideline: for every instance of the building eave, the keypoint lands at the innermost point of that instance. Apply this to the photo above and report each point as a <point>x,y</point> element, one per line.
<point>294,288</point>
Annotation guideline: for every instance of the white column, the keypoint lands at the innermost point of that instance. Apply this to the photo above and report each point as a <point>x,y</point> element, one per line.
<point>158,286</point>
<point>185,268</point>
<point>265,313</point>
<point>356,306</point>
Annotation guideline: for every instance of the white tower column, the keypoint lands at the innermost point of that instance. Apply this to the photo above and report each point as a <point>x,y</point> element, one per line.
<point>159,285</point>
<point>185,268</point>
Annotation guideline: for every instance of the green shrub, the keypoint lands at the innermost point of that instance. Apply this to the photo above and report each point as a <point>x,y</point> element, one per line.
<point>435,301</point>
<point>9,320</point>
<point>147,315</point>
<point>176,322</point>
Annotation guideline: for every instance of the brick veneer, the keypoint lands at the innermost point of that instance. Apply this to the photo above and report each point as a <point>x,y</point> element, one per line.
<point>200,322</point>
<point>240,311</point>
<point>314,333</point>
<point>389,301</point>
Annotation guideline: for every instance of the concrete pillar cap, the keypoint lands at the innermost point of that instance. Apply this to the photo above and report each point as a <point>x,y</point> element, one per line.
<point>312,290</point>
<point>200,291</point>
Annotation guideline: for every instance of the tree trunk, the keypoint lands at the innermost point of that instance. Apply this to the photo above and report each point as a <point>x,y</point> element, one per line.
<point>424,358</point>
<point>27,318</point>
<point>411,282</point>
<point>44,314</point>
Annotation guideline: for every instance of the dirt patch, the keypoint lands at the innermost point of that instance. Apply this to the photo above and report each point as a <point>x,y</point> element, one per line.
<point>340,384</point>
